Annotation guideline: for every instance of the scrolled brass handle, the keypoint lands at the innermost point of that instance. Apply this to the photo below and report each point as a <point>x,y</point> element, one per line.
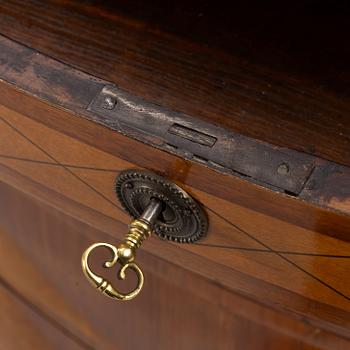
<point>124,253</point>
<point>102,284</point>
<point>159,206</point>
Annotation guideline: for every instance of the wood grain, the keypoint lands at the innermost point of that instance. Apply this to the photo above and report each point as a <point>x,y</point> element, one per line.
<point>23,326</point>
<point>246,67</point>
<point>273,264</point>
<point>325,220</point>
<point>24,69</point>
<point>248,252</point>
<point>177,309</point>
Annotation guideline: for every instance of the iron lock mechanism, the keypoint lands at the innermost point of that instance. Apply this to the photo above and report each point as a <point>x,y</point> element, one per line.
<point>157,206</point>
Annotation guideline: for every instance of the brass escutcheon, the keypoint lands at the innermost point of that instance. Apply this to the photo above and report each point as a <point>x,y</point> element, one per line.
<point>162,207</point>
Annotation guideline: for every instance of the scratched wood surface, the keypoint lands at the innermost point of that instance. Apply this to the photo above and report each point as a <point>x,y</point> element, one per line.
<point>260,69</point>
<point>274,262</point>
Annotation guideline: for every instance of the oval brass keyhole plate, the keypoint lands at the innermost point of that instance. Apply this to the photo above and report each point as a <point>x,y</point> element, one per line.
<point>182,219</point>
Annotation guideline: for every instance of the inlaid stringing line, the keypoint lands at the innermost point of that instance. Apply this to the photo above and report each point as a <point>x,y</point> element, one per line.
<point>230,223</point>
<point>281,256</point>
<point>315,254</point>
<point>64,167</point>
<point>202,244</point>
<point>61,164</point>
<point>243,249</point>
<point>257,250</point>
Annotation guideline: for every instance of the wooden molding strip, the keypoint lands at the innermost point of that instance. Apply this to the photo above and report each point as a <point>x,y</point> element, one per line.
<point>315,180</point>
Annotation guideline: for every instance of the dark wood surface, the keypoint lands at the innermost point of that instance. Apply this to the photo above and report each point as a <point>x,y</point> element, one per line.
<point>45,86</point>
<point>274,71</point>
<point>178,309</point>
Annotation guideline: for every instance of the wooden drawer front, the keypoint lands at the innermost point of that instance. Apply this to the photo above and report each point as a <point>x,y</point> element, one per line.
<point>25,327</point>
<point>246,250</point>
<point>40,260</point>
<point>275,263</point>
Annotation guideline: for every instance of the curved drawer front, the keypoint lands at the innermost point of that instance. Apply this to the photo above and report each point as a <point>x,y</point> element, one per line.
<point>262,245</point>
<point>44,249</point>
<point>246,250</point>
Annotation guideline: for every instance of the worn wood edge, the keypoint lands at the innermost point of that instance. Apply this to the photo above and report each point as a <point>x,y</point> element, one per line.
<point>232,153</point>
<point>171,256</point>
<point>47,37</point>
<point>78,90</point>
<point>258,198</point>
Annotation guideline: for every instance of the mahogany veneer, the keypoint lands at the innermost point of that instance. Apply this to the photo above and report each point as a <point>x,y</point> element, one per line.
<point>273,270</point>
